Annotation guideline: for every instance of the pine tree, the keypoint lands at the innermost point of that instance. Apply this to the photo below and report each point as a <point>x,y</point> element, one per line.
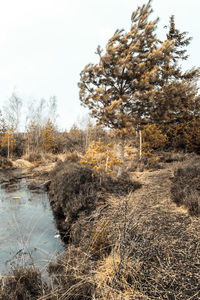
<point>101,158</point>
<point>120,88</point>
<point>177,90</point>
<point>176,99</point>
<point>180,40</point>
<point>139,80</point>
<point>47,139</point>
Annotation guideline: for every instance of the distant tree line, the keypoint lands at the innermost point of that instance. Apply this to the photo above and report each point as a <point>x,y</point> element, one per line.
<point>138,93</point>
<point>41,133</point>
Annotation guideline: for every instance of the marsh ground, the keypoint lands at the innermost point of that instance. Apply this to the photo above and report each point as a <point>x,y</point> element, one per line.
<point>136,245</point>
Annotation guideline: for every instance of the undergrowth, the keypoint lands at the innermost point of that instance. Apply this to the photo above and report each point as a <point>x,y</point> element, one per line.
<point>24,283</point>
<point>186,188</point>
<point>121,245</point>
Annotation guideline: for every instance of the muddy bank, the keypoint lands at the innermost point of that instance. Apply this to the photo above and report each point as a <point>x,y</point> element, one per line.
<point>37,177</point>
<point>75,194</point>
<point>137,245</point>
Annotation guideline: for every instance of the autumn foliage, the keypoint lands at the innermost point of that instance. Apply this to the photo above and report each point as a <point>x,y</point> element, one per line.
<point>153,139</point>
<point>101,159</point>
<point>8,142</point>
<point>47,139</point>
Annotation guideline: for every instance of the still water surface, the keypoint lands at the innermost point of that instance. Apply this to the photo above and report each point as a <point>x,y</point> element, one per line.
<point>27,227</point>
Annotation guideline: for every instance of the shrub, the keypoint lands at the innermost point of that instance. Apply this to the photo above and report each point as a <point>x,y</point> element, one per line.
<point>24,284</point>
<point>186,188</point>
<point>73,191</point>
<point>71,276</point>
<point>153,139</point>
<point>169,157</point>
<point>72,157</point>
<point>5,163</point>
<point>114,279</point>
<point>101,159</point>
<point>34,156</point>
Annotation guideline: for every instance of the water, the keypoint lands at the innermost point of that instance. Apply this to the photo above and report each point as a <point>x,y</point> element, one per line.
<point>27,229</point>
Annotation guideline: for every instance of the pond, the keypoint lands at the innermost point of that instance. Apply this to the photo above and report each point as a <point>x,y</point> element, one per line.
<point>27,229</point>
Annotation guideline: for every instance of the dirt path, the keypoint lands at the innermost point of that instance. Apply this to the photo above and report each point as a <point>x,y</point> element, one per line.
<point>164,239</point>
<point>155,190</point>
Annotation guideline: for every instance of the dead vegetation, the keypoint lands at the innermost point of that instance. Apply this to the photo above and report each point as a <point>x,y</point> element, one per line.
<point>24,283</point>
<point>5,163</point>
<point>186,187</point>
<point>75,192</point>
<point>125,240</point>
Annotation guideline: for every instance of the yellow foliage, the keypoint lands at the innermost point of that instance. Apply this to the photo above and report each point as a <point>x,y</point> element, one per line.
<point>101,158</point>
<point>47,139</point>
<point>153,139</point>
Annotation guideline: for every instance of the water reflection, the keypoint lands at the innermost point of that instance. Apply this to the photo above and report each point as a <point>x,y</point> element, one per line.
<point>27,228</point>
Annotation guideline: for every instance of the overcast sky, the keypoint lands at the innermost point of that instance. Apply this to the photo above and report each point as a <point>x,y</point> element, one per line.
<point>44,44</point>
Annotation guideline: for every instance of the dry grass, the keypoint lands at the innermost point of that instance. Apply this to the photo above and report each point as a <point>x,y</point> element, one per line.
<point>71,276</point>
<point>133,245</point>
<point>22,163</point>
<point>186,186</point>
<point>113,279</point>
<point>72,157</point>
<point>39,157</point>
<point>22,284</point>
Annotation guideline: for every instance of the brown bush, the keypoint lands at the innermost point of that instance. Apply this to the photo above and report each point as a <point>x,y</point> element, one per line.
<point>100,244</point>
<point>169,157</point>
<point>34,157</point>
<point>73,191</point>
<point>5,163</point>
<point>22,284</point>
<point>186,188</point>
<point>39,157</point>
<point>72,157</point>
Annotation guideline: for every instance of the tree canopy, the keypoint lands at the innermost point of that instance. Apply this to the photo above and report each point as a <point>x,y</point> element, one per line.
<point>138,79</point>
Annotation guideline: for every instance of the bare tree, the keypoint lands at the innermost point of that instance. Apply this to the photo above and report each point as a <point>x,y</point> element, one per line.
<point>39,114</point>
<point>12,112</point>
<point>52,110</point>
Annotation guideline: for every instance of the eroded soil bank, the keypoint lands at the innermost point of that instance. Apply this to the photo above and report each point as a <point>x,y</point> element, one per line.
<point>75,194</point>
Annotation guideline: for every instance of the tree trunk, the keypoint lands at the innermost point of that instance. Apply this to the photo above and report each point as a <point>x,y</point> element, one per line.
<point>121,156</point>
<point>140,149</point>
<point>8,155</point>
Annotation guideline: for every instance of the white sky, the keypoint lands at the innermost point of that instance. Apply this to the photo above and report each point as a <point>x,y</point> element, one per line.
<point>45,44</point>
